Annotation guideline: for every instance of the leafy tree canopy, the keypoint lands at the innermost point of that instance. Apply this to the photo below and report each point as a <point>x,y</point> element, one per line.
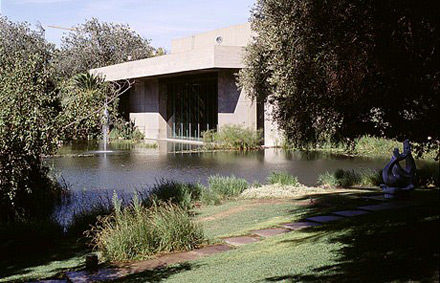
<point>96,44</point>
<point>28,129</point>
<point>341,69</point>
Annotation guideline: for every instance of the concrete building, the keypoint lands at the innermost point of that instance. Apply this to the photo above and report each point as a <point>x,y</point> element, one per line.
<point>192,89</point>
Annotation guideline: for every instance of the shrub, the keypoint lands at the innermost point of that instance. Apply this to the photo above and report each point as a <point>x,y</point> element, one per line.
<point>135,231</point>
<point>283,178</point>
<point>233,137</point>
<point>227,186</point>
<point>180,194</point>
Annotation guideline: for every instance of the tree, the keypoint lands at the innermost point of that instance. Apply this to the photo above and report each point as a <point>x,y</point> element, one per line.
<point>28,132</point>
<point>84,98</point>
<point>96,44</point>
<point>341,69</point>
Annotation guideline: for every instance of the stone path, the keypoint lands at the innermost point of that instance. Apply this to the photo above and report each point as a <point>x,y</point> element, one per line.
<point>121,271</point>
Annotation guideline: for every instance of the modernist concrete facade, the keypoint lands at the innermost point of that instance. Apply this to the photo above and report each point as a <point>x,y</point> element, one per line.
<point>192,89</point>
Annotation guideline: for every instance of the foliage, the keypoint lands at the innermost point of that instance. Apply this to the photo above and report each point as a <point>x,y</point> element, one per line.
<point>225,186</point>
<point>282,178</point>
<point>233,137</point>
<point>342,69</point>
<point>125,130</point>
<point>28,128</point>
<point>83,100</point>
<point>138,232</point>
<point>176,193</point>
<point>96,44</point>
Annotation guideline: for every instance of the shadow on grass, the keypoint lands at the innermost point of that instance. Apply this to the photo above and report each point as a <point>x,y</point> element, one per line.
<point>42,259</point>
<point>158,274</point>
<point>392,245</point>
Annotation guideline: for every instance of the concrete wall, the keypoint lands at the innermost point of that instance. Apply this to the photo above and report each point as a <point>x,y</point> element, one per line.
<point>273,136</point>
<point>211,57</point>
<point>145,110</point>
<point>234,106</point>
<point>238,35</point>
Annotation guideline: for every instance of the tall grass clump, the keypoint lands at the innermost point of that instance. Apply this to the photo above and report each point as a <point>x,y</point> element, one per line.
<point>136,232</point>
<point>233,137</point>
<point>183,195</point>
<point>427,175</point>
<point>371,177</point>
<point>348,178</point>
<point>225,186</point>
<point>283,178</point>
<point>340,178</point>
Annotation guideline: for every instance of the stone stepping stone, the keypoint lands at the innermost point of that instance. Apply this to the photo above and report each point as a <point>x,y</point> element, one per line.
<point>382,206</point>
<point>270,232</point>
<point>50,281</point>
<point>376,197</point>
<point>105,274</point>
<point>350,213</point>
<point>300,225</point>
<point>206,251</point>
<point>178,257</point>
<point>142,266</point>
<point>324,218</point>
<point>240,241</point>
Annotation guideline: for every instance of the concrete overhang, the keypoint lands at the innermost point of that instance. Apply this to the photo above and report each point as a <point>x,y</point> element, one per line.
<point>214,57</point>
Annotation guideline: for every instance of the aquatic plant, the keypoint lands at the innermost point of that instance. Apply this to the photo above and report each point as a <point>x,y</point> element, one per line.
<point>282,178</point>
<point>233,137</point>
<point>227,186</point>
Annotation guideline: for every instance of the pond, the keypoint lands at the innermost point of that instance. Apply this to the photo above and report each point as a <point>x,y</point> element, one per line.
<point>126,168</point>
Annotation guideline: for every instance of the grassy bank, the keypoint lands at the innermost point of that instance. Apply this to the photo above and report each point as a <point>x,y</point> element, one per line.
<point>178,216</point>
<point>365,146</point>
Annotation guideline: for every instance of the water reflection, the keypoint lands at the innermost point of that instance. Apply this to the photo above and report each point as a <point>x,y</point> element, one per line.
<point>130,167</point>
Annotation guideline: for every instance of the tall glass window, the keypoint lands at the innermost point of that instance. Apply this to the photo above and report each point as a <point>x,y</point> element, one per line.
<point>192,106</point>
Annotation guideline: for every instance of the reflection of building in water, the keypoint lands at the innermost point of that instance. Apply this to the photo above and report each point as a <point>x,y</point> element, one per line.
<point>192,89</point>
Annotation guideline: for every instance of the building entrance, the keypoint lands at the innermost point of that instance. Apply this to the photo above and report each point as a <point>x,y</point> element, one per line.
<point>192,106</point>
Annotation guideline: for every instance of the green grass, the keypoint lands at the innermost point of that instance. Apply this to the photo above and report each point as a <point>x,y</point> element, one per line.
<point>41,261</point>
<point>282,178</point>
<point>245,216</point>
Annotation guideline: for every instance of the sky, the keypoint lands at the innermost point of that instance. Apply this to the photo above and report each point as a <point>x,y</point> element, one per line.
<point>157,20</point>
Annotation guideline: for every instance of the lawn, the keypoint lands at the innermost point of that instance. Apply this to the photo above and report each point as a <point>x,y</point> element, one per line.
<point>399,245</point>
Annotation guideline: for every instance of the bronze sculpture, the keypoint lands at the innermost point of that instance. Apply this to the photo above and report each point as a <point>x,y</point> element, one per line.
<point>398,180</point>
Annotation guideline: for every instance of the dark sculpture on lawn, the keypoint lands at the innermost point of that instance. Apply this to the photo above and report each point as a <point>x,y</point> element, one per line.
<point>398,180</point>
